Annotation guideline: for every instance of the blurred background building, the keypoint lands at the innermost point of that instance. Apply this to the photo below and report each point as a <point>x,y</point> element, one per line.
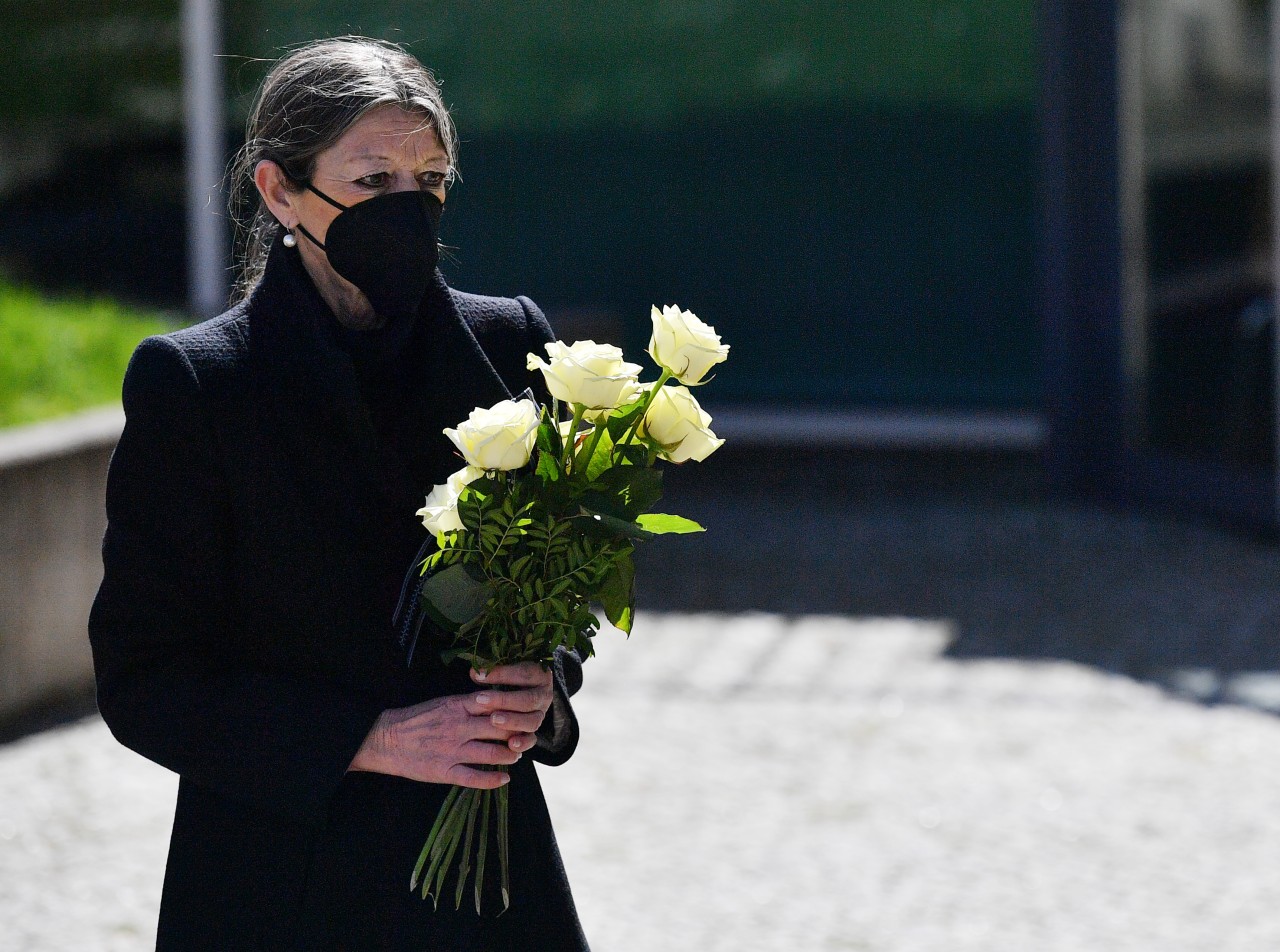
<point>950,221</point>
<point>1158,253</point>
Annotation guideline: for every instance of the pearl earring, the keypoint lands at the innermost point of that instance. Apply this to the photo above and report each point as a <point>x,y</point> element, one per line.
<point>290,241</point>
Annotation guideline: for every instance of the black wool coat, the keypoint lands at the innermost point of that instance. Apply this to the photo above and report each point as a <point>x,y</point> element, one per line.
<point>258,534</point>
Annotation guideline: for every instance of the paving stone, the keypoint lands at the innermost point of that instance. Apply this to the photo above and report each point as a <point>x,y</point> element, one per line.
<point>914,802</point>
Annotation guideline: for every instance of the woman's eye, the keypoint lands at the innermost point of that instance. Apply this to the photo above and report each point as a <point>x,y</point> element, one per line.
<point>431,179</point>
<point>373,180</point>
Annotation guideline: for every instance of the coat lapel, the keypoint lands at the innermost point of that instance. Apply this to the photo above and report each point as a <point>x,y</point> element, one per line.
<point>318,444</point>
<point>458,376</point>
<point>316,438</point>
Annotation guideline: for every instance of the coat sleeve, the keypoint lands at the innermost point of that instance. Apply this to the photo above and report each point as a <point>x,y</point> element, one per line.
<point>174,663</point>
<point>558,736</point>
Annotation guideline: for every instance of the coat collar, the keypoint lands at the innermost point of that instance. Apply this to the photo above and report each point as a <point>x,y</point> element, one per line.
<point>287,317</point>
<point>309,398</point>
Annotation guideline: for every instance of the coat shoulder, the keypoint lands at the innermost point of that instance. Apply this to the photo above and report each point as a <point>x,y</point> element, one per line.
<point>217,340</point>
<point>507,330</point>
<point>215,351</point>
<point>495,315</point>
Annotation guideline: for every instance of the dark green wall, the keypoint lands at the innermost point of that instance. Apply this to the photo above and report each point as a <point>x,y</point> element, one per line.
<point>863,256</point>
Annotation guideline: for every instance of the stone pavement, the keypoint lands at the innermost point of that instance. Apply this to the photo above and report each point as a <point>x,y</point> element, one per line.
<point>762,782</point>
<point>877,706</point>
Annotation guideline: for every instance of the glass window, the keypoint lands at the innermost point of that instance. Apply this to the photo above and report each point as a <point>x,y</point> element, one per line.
<point>1196,211</point>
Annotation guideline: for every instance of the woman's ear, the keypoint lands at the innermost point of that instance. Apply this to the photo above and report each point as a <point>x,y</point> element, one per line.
<point>273,186</point>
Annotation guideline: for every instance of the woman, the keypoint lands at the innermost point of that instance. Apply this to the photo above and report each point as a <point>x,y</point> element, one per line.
<point>260,523</point>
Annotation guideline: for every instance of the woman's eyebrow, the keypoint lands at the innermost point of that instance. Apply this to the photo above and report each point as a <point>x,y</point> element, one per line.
<point>366,156</point>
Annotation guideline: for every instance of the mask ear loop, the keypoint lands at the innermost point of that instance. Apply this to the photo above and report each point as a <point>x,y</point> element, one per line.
<point>311,238</point>
<point>302,228</point>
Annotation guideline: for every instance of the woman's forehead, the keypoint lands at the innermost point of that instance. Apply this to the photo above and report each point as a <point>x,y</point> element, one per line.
<point>388,134</point>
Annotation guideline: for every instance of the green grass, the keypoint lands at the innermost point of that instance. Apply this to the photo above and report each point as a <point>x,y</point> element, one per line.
<point>58,356</point>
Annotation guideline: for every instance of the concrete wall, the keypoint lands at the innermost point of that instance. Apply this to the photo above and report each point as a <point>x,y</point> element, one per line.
<point>52,478</point>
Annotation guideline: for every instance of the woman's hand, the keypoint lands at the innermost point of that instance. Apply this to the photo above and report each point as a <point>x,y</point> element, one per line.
<point>437,741</point>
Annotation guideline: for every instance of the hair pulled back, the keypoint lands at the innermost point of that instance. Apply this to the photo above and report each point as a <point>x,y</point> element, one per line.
<point>308,100</point>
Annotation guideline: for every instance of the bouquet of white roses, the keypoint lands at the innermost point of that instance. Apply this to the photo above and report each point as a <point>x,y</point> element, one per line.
<point>542,522</point>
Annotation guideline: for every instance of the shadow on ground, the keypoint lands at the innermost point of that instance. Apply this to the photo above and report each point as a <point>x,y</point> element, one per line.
<point>977,540</point>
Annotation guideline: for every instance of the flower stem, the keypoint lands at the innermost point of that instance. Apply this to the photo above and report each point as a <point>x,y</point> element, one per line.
<point>486,802</point>
<point>589,449</point>
<point>648,402</point>
<point>504,860</point>
<point>478,802</point>
<point>578,411</point>
<point>431,838</point>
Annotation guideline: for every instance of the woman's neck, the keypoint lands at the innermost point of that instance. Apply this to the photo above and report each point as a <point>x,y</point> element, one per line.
<point>349,306</point>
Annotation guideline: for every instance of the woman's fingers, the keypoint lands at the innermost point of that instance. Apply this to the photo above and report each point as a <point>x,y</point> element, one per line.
<point>518,710</point>
<point>515,722</point>
<point>465,776</point>
<point>528,674</point>
<point>520,739</point>
<point>437,741</point>
<point>526,701</point>
<point>487,752</point>
<point>499,716</point>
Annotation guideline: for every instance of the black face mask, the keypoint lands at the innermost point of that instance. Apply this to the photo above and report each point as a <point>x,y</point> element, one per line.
<point>387,246</point>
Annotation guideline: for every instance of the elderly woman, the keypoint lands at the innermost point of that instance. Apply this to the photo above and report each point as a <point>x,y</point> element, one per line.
<point>260,523</point>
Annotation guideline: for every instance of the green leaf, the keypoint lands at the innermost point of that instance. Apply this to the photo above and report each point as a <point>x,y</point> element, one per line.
<point>602,457</point>
<point>549,439</point>
<point>617,593</point>
<point>450,655</point>
<point>661,523</point>
<point>548,469</point>
<point>621,419</point>
<point>431,561</point>
<point>470,510</point>
<point>479,490</point>
<point>519,565</point>
<point>455,596</point>
<point>624,492</point>
<point>622,527</point>
<point>639,486</point>
<point>639,453</point>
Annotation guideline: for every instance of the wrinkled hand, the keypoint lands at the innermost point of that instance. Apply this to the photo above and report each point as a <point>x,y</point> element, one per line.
<point>439,740</point>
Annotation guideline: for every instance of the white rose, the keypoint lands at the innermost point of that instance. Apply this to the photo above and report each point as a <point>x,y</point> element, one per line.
<point>501,437</point>
<point>685,345</point>
<point>593,375</point>
<point>440,514</point>
<point>681,427</point>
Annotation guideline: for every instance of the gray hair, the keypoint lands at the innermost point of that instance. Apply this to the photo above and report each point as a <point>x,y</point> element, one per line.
<point>308,100</point>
